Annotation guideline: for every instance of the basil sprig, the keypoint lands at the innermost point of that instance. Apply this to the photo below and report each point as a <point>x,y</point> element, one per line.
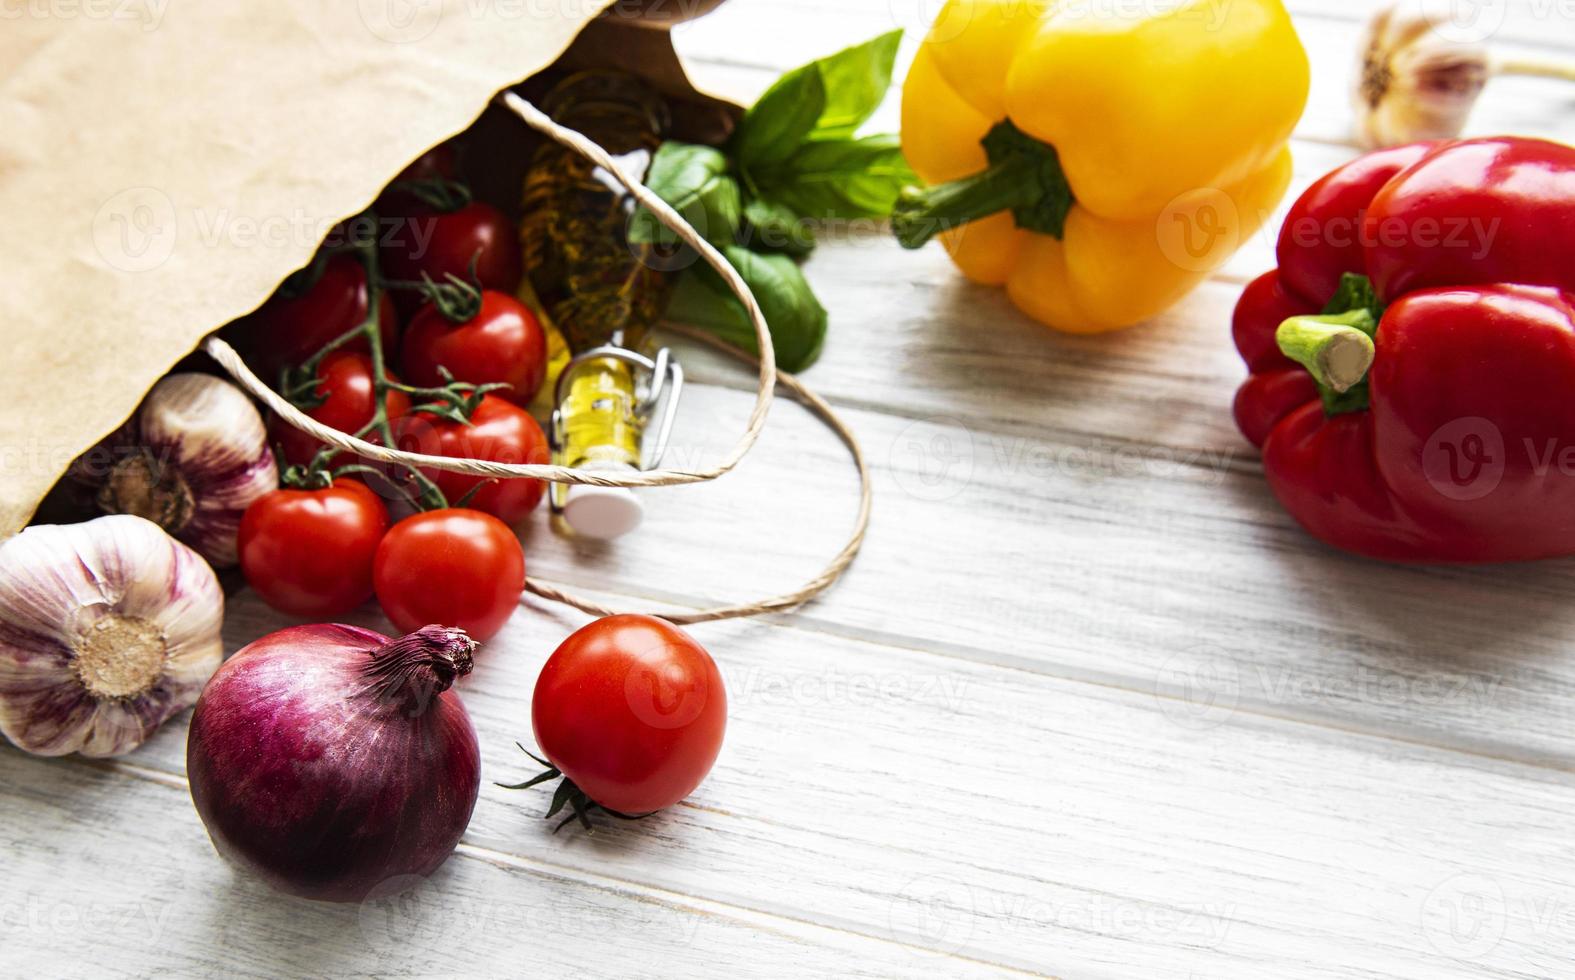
<point>795,159</point>
<point>796,318</point>
<point>695,181</point>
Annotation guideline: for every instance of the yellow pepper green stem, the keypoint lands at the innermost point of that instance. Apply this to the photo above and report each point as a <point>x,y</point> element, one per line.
<point>1099,165</point>
<point>1024,177</point>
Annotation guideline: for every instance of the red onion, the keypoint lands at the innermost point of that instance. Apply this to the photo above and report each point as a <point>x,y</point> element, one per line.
<point>329,759</point>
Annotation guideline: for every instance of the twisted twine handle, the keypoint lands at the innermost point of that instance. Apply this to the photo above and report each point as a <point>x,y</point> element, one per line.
<point>769,377</point>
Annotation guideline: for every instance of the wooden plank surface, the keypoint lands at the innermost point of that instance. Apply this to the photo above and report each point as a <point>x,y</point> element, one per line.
<point>1088,705</point>
<point>1116,832</point>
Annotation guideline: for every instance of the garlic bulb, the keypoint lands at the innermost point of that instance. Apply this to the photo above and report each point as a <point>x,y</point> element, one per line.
<point>107,629</point>
<point>192,459</point>
<point>1415,83</point>
<point>1420,74</point>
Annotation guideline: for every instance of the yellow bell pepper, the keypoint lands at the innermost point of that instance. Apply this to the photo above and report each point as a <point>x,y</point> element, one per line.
<point>1098,157</point>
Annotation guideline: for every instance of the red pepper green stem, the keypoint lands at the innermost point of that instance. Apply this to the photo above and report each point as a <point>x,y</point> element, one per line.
<point>1024,177</point>
<point>1336,349</point>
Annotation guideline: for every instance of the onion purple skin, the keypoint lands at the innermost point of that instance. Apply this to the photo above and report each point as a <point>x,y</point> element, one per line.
<point>307,777</point>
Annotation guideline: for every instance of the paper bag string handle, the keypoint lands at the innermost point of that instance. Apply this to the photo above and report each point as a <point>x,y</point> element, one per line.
<point>769,377</point>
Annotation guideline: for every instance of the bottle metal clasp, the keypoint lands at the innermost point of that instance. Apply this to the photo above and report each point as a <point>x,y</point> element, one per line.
<point>659,381</point>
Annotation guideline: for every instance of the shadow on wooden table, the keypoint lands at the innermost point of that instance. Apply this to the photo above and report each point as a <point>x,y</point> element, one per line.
<point>1463,647</point>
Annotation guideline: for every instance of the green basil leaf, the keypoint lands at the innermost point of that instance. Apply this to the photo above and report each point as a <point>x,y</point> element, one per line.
<point>694,180</point>
<point>840,178</point>
<point>795,316</point>
<point>829,98</point>
<point>780,119</point>
<point>679,171</point>
<point>856,81</point>
<point>771,227</point>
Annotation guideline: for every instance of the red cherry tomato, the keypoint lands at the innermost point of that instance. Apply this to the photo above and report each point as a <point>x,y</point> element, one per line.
<point>632,710</point>
<point>499,431</point>
<point>345,386</point>
<point>454,567</point>
<point>503,343</point>
<point>309,552</point>
<point>287,330</point>
<point>442,161</point>
<point>418,240</point>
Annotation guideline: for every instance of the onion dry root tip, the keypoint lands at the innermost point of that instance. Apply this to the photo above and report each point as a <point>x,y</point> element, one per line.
<point>413,669</point>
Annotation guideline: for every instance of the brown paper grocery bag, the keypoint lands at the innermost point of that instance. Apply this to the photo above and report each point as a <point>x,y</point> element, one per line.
<point>164,164</point>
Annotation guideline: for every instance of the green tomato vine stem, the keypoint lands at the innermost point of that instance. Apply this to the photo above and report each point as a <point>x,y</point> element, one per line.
<point>454,400</point>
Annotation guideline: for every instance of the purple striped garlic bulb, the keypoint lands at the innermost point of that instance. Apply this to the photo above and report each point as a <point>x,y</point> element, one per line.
<point>107,629</point>
<point>191,460</point>
<point>1415,83</point>
<point>1423,65</point>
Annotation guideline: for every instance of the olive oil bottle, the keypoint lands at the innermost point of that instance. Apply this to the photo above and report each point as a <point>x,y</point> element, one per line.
<point>594,286</point>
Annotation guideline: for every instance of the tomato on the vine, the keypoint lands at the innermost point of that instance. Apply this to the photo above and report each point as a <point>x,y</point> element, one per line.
<point>441,162</point>
<point>290,328</point>
<point>345,388</point>
<point>632,711</point>
<point>421,240</point>
<point>454,567</point>
<point>502,343</point>
<point>499,431</point>
<point>309,552</point>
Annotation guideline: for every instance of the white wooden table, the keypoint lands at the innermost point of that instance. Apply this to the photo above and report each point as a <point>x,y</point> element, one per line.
<point>1089,704</point>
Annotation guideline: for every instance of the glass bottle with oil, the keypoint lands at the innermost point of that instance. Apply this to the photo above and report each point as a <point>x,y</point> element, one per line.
<point>600,291</point>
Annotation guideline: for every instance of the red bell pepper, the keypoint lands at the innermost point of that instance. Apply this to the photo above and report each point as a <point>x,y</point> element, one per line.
<point>1412,359</point>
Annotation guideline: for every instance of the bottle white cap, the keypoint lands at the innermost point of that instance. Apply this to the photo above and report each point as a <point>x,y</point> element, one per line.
<point>602,513</point>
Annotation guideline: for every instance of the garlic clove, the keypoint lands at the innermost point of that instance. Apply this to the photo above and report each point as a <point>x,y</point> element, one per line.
<point>107,629</point>
<point>1414,82</point>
